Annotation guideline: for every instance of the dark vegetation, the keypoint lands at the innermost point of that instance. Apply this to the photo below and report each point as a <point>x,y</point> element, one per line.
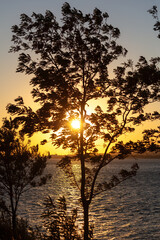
<point>21,167</point>
<point>71,69</point>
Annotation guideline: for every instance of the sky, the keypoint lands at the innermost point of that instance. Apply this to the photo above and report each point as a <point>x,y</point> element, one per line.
<point>130,16</point>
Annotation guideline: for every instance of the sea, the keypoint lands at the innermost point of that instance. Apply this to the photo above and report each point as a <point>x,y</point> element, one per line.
<point>129,211</point>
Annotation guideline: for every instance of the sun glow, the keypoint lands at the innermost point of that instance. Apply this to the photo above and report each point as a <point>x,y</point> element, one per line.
<point>75,124</point>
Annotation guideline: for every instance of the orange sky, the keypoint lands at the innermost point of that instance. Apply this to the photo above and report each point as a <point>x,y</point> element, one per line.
<point>137,134</point>
<point>131,17</point>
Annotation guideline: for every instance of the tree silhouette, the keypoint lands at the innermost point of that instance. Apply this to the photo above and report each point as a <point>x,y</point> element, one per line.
<point>70,68</point>
<point>154,12</point>
<point>21,168</point>
<point>58,222</point>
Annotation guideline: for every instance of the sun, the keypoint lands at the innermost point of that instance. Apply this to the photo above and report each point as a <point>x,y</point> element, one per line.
<point>75,124</point>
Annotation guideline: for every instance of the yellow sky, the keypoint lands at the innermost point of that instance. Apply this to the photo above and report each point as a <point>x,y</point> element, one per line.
<point>131,17</point>
<point>137,134</point>
<point>48,147</point>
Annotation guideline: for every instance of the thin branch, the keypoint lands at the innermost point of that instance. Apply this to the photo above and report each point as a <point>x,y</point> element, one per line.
<point>120,181</point>
<point>104,155</point>
<point>52,60</point>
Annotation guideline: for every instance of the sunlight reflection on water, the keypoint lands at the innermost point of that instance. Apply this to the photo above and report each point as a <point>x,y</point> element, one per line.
<point>130,211</point>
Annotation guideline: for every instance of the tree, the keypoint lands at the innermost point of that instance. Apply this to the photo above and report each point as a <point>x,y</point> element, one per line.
<point>154,12</point>
<point>58,222</point>
<point>21,167</point>
<point>70,68</point>
<point>23,230</point>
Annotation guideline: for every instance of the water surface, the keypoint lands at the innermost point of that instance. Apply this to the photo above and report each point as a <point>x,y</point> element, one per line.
<point>129,211</point>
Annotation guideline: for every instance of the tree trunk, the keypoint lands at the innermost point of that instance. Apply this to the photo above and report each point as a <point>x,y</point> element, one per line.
<point>82,159</point>
<point>14,219</point>
<point>14,225</point>
<point>86,220</point>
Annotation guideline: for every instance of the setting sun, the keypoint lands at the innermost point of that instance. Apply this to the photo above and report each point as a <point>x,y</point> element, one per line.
<point>75,123</point>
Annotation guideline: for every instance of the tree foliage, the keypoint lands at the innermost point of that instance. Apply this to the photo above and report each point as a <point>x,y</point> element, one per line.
<point>154,12</point>
<point>58,222</point>
<point>21,167</point>
<point>70,69</point>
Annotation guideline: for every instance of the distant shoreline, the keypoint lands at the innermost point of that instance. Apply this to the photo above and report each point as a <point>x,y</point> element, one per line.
<point>149,155</point>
